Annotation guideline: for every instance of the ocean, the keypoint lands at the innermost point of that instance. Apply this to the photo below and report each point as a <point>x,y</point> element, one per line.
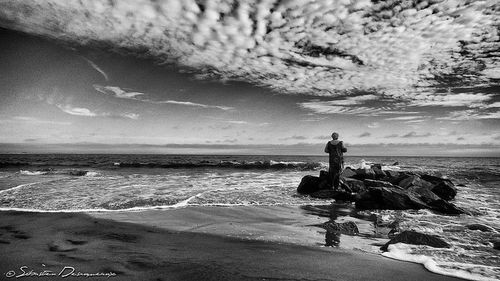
<point>132,182</point>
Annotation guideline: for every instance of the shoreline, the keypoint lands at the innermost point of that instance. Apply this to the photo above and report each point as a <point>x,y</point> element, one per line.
<point>237,243</point>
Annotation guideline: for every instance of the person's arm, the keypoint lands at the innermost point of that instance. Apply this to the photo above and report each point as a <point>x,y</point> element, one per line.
<point>344,149</point>
<point>326,148</point>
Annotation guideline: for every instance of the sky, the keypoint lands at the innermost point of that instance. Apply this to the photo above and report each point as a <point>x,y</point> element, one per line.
<point>244,77</point>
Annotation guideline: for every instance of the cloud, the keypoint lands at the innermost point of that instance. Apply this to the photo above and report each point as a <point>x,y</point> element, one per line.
<point>364,135</point>
<point>295,137</point>
<point>470,114</point>
<point>332,107</point>
<point>416,135</point>
<point>78,111</point>
<point>33,120</point>
<point>404,118</point>
<point>398,48</point>
<point>85,112</point>
<point>138,96</point>
<point>391,136</point>
<point>451,99</point>
<point>97,68</point>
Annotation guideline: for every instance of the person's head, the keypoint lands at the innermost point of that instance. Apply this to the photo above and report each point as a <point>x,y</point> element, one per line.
<point>335,136</point>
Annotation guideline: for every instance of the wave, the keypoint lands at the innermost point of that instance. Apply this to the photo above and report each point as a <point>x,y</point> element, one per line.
<point>58,172</point>
<point>268,164</point>
<point>475,272</point>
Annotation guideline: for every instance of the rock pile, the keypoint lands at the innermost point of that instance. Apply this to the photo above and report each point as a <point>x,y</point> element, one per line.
<point>375,188</point>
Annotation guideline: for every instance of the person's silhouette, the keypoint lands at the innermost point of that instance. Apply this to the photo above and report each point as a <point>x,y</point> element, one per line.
<point>335,148</point>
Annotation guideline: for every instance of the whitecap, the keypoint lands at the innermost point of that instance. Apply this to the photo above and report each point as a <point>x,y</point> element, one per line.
<point>401,251</point>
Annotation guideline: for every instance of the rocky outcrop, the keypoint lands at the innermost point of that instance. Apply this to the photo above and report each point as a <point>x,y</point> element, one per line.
<point>374,188</point>
<point>416,238</point>
<point>480,227</point>
<point>391,198</point>
<point>309,184</point>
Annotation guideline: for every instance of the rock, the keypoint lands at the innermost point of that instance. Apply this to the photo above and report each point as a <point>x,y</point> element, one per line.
<point>348,173</point>
<point>379,173</point>
<point>324,194</point>
<point>362,174</point>
<point>392,198</point>
<point>445,190</point>
<point>432,179</point>
<point>77,173</point>
<point>354,185</point>
<point>496,244</point>
<point>323,175</point>
<point>414,180</point>
<point>349,228</point>
<point>446,207</point>
<point>415,238</point>
<point>392,174</point>
<point>481,227</point>
<point>395,163</point>
<point>426,194</point>
<point>369,182</point>
<point>308,185</point>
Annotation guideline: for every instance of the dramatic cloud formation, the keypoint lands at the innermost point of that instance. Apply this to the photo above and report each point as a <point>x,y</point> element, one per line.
<point>320,48</point>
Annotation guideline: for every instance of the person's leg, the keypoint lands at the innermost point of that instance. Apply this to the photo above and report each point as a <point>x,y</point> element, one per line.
<point>336,176</point>
<point>331,174</point>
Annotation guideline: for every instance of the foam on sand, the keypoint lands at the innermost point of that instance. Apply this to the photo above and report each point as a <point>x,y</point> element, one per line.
<point>401,251</point>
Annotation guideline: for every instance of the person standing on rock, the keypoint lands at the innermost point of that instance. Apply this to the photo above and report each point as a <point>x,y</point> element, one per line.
<point>335,149</point>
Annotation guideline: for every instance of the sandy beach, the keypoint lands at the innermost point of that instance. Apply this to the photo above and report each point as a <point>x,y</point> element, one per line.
<point>195,243</point>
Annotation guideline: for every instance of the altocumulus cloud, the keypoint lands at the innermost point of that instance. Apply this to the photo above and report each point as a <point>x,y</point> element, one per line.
<point>320,47</point>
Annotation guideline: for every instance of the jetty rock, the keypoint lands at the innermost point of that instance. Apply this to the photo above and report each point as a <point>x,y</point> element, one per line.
<point>375,188</point>
<point>416,238</point>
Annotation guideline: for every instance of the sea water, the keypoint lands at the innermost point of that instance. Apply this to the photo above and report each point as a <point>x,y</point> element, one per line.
<point>69,183</point>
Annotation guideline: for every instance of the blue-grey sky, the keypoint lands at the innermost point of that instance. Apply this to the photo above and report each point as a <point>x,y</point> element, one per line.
<point>273,77</point>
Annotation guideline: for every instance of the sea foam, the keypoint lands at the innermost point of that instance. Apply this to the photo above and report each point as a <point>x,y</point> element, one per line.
<point>401,251</point>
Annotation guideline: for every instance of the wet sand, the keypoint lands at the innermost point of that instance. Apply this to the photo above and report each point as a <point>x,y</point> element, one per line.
<point>206,243</point>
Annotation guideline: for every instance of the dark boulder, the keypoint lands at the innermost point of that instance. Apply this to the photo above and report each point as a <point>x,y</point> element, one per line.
<point>425,194</point>
<point>414,180</point>
<point>309,184</point>
<point>362,174</point>
<point>323,175</point>
<point>445,190</point>
<point>432,179</point>
<point>416,238</point>
<point>481,227</point>
<point>369,182</point>
<point>324,194</point>
<point>354,185</point>
<point>379,173</point>
<point>77,173</point>
<point>446,207</point>
<point>392,198</point>
<point>392,174</point>
<point>348,173</point>
<point>496,244</point>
